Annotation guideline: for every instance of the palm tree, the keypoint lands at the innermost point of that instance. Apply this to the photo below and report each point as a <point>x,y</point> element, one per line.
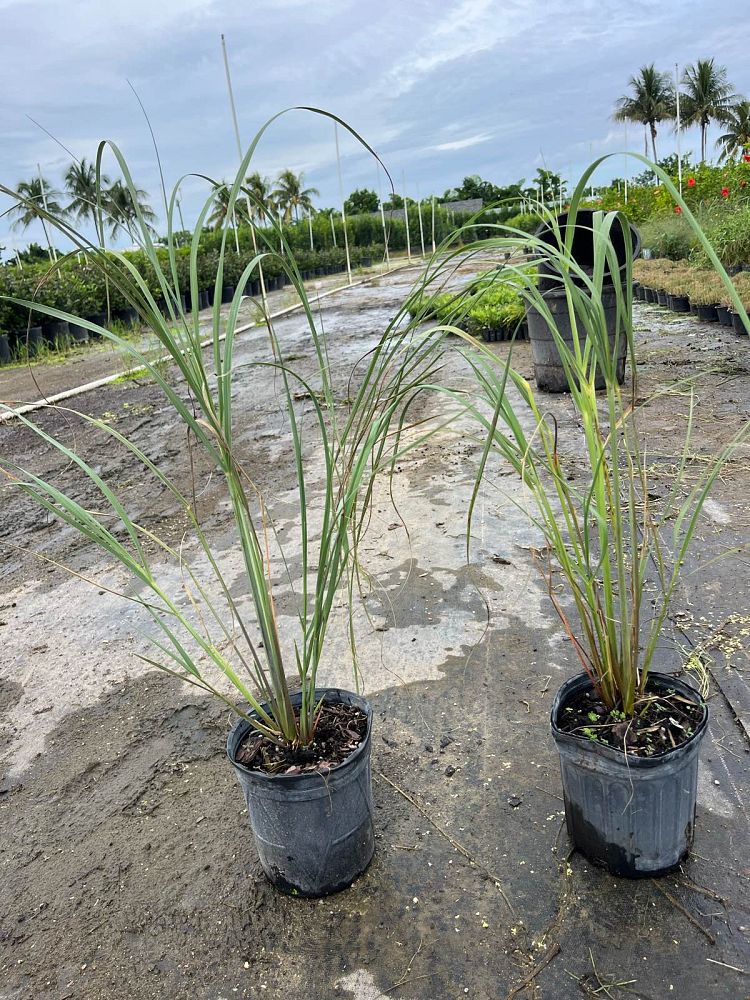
<point>218,216</point>
<point>30,205</point>
<point>736,139</point>
<point>708,97</point>
<point>261,197</point>
<point>81,187</point>
<point>291,196</point>
<point>121,209</point>
<point>652,102</point>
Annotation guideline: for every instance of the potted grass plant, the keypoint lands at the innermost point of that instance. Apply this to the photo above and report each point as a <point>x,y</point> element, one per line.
<point>301,751</point>
<point>612,557</point>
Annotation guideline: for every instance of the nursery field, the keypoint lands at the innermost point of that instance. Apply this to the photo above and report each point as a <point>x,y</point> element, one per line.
<point>127,868</point>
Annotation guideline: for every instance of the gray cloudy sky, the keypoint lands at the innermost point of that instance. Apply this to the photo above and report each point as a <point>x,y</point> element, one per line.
<point>441,89</point>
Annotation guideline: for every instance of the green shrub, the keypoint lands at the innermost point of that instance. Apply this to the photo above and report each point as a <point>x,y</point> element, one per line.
<point>527,222</point>
<point>729,234</point>
<point>668,236</point>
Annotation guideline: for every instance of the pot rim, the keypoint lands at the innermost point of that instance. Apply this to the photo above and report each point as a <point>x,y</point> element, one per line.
<point>328,694</point>
<point>583,682</point>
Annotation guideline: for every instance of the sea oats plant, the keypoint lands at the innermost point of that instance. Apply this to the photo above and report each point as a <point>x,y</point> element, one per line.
<point>209,636</point>
<point>613,547</point>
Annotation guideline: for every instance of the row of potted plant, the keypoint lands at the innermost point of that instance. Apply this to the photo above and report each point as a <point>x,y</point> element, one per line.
<point>628,737</point>
<point>685,289</point>
<point>80,288</point>
<point>489,307</point>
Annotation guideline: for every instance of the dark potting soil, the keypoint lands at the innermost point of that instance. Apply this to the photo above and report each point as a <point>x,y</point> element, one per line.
<point>660,722</point>
<point>339,730</point>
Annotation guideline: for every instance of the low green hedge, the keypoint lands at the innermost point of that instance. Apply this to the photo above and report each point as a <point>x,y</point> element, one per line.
<point>78,287</point>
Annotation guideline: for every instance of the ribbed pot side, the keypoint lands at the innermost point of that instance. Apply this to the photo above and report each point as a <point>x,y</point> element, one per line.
<point>549,372</point>
<point>635,816</point>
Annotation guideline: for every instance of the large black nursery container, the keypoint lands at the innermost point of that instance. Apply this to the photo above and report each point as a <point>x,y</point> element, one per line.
<point>548,368</point>
<point>633,815</point>
<point>314,831</point>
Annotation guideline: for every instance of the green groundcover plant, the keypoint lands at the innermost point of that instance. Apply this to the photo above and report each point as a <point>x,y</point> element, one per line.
<point>202,634</point>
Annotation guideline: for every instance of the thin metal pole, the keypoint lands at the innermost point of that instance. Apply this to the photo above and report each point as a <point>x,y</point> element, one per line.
<point>433,223</point>
<point>382,220</point>
<point>18,259</point>
<point>182,221</point>
<point>627,163</point>
<point>239,151</point>
<point>333,228</point>
<point>419,216</point>
<point>679,152</point>
<point>341,195</point>
<point>309,223</point>
<point>281,232</point>
<point>406,216</point>
<point>51,249</point>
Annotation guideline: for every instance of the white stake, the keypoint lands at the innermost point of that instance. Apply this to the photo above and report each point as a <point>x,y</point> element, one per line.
<point>627,163</point>
<point>309,223</point>
<point>679,153</point>
<point>419,216</point>
<point>341,195</point>
<point>239,150</point>
<point>433,223</point>
<point>18,260</point>
<point>406,217</point>
<point>52,251</point>
<point>382,220</point>
<point>333,228</point>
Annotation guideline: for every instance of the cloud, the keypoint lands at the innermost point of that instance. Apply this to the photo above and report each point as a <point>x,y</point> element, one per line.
<point>440,89</point>
<point>472,140</point>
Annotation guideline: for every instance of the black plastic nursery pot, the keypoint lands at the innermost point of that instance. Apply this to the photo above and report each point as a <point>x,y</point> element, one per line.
<point>4,349</point>
<point>227,293</point>
<point>56,333</point>
<point>724,316</point>
<point>548,368</point>
<point>680,304</point>
<point>633,815</point>
<point>708,314</point>
<point>737,325</point>
<point>32,339</point>
<point>582,247</point>
<point>98,319</point>
<point>127,317</point>
<point>314,832</point>
<point>78,334</point>
<point>650,295</point>
<point>661,297</point>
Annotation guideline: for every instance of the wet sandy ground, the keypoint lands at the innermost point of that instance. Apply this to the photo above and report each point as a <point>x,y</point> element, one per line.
<point>126,866</point>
